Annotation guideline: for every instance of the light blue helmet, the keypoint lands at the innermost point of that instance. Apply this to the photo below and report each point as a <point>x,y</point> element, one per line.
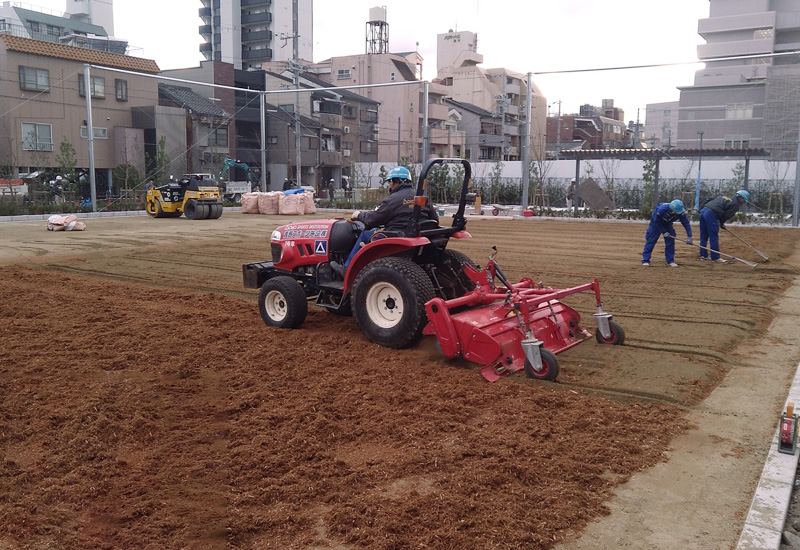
<point>677,207</point>
<point>399,172</point>
<point>744,194</point>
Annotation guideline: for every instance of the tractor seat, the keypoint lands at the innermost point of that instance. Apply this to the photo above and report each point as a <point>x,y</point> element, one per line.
<point>343,237</point>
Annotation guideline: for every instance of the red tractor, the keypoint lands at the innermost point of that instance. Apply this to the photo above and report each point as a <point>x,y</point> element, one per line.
<point>401,287</point>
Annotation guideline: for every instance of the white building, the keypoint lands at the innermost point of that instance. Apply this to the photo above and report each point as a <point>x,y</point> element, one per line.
<point>747,96</point>
<point>247,33</point>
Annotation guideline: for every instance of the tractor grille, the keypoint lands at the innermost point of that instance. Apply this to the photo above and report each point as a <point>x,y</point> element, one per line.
<point>277,252</point>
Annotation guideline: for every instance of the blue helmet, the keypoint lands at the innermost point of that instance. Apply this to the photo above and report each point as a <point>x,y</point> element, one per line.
<point>677,207</point>
<point>744,194</point>
<point>400,172</point>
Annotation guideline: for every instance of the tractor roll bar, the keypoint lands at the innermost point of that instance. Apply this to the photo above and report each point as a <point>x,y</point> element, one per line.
<point>459,221</point>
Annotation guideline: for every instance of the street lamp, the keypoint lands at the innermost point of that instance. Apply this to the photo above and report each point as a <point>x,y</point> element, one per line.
<point>699,164</point>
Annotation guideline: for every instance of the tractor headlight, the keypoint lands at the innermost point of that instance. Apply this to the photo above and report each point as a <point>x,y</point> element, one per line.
<point>276,236</point>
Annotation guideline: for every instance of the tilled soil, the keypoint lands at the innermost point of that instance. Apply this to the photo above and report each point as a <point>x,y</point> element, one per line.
<point>146,405</point>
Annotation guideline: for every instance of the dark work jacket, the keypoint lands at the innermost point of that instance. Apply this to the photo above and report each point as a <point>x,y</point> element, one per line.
<point>395,211</point>
<point>723,207</point>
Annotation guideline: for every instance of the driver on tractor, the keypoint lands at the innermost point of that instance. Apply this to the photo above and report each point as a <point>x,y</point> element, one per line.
<point>393,214</point>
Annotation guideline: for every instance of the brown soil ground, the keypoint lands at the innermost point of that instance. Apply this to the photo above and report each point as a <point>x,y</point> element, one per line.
<point>146,405</point>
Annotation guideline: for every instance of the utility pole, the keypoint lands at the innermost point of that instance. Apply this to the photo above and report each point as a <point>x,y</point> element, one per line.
<point>526,146</point>
<point>699,164</point>
<point>558,133</point>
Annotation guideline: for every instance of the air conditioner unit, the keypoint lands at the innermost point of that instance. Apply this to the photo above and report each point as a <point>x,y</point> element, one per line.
<point>346,152</point>
<point>317,106</point>
<point>346,129</point>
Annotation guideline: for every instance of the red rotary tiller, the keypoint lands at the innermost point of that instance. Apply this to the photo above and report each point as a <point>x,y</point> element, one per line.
<point>514,326</point>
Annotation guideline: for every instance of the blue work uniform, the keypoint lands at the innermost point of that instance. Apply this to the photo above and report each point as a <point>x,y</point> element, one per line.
<point>713,216</point>
<point>661,222</point>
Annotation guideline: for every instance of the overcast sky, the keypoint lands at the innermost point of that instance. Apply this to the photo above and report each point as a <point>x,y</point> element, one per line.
<point>520,35</point>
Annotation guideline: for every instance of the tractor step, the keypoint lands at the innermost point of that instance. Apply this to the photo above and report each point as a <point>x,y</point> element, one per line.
<point>332,285</point>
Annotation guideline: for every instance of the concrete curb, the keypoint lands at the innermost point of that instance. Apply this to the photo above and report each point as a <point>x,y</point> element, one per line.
<point>763,527</point>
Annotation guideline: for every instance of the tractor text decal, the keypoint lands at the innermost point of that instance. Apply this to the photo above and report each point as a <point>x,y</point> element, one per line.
<point>307,232</point>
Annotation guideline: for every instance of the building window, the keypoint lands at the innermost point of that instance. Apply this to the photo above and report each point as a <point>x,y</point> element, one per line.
<point>272,140</point>
<point>287,108</point>
<point>97,132</point>
<point>348,111</point>
<point>98,86</point>
<point>368,147</point>
<point>218,137</point>
<point>343,74</point>
<point>739,110</point>
<point>37,137</point>
<point>121,89</point>
<point>369,116</point>
<point>34,79</point>
<point>737,141</point>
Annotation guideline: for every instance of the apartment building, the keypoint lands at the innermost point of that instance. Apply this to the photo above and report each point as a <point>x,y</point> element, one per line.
<point>745,96</point>
<point>499,91</point>
<point>661,125</point>
<point>86,23</point>
<point>247,33</point>
<point>45,105</point>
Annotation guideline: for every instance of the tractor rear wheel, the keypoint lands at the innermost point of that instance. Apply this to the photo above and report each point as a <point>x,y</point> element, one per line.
<point>450,275</point>
<point>617,337</point>
<point>388,303</point>
<point>549,366</point>
<point>282,303</point>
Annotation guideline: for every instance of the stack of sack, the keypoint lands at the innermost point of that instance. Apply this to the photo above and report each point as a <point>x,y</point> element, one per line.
<point>69,222</point>
<point>291,203</point>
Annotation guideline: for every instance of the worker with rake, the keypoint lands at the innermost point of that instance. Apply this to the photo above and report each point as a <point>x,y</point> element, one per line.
<point>661,222</point>
<point>713,215</point>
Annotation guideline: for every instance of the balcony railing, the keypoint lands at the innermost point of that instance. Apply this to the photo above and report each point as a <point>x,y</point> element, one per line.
<point>263,53</point>
<point>256,36</point>
<point>205,30</point>
<point>262,17</point>
<point>251,3</point>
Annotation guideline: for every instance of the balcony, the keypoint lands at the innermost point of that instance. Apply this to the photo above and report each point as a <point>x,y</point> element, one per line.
<point>256,36</point>
<point>330,158</point>
<point>206,48</point>
<point>204,12</point>
<point>205,30</point>
<point>251,3</point>
<point>263,53</point>
<point>734,23</point>
<point>330,120</point>
<point>437,111</point>
<point>739,47</point>
<point>256,18</point>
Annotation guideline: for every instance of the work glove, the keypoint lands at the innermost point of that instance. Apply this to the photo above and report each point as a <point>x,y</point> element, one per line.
<point>355,214</point>
<point>689,240</point>
<point>722,226</point>
<point>667,235</point>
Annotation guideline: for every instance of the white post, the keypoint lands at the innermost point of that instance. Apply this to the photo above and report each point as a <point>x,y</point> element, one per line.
<point>87,87</point>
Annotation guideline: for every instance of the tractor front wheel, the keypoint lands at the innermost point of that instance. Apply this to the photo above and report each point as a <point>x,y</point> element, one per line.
<point>549,366</point>
<point>282,303</point>
<point>617,337</point>
<point>388,302</point>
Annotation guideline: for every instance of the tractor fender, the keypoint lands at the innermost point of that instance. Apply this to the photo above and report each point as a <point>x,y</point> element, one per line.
<point>378,249</point>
